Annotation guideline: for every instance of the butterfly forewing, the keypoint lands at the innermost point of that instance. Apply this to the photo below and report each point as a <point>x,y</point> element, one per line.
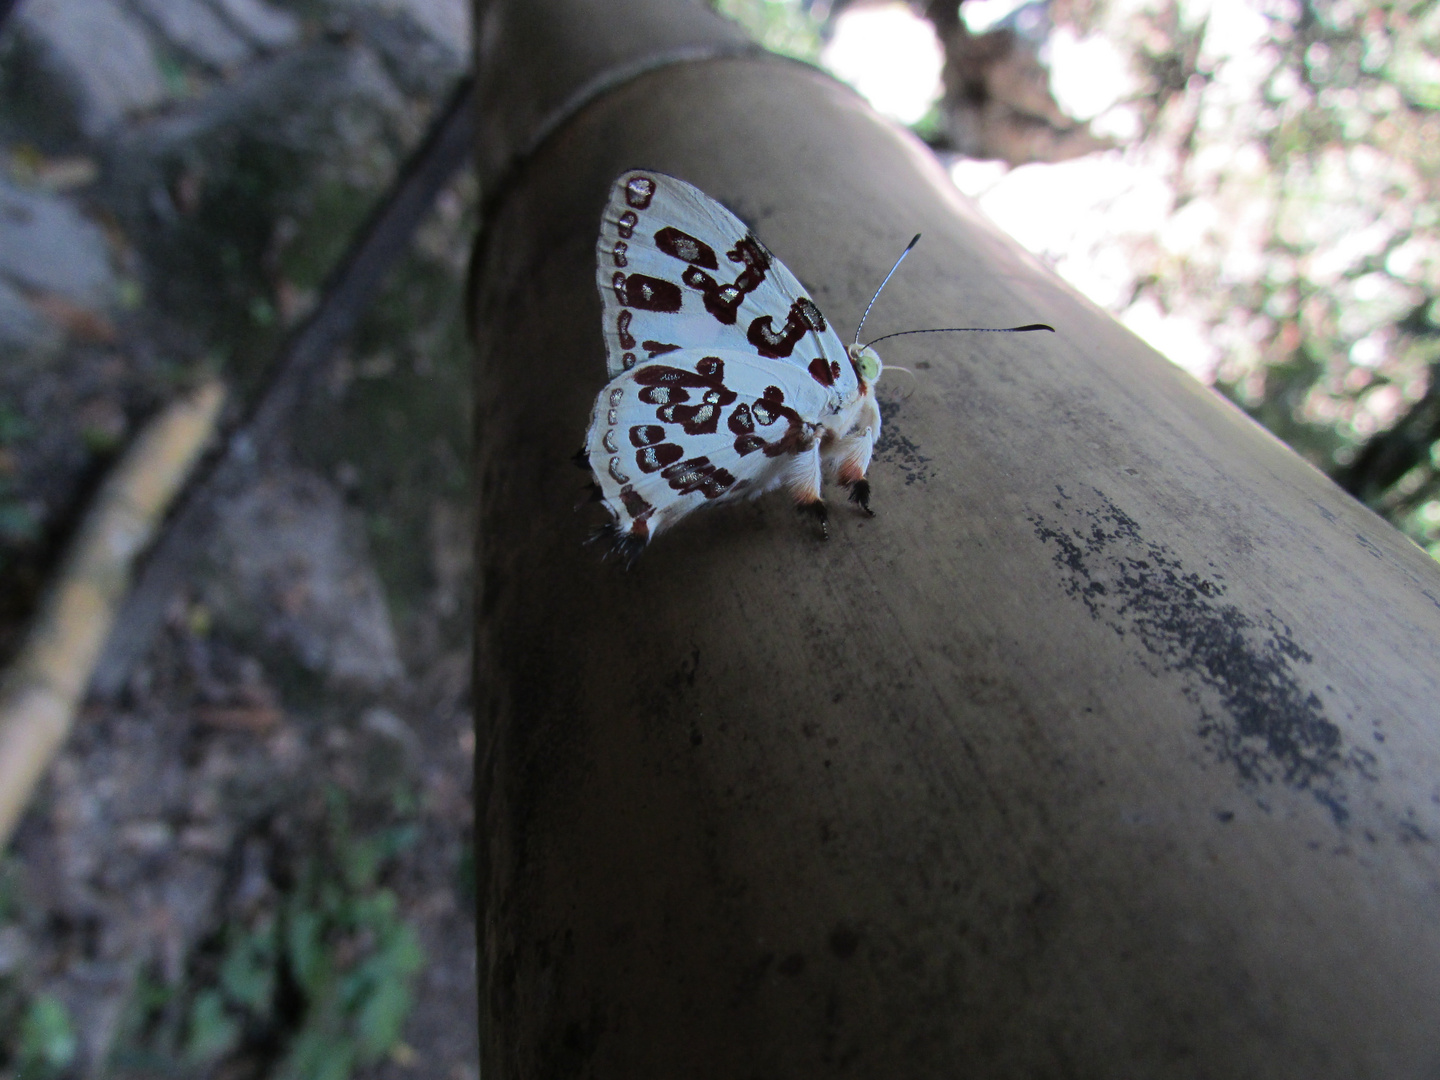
<point>696,427</point>
<point>676,270</point>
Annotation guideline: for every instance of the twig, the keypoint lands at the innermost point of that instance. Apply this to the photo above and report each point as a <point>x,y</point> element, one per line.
<point>48,678</point>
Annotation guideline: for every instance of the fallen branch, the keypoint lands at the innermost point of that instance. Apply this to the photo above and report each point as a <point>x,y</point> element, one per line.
<point>49,676</point>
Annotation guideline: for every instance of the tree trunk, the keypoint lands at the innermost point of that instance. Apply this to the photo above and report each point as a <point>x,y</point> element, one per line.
<point>1107,749</point>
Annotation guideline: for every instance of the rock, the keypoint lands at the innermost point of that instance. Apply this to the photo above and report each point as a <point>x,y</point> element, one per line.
<point>147,837</point>
<point>46,245</point>
<point>268,27</point>
<point>385,723</point>
<point>319,122</point>
<point>93,64</point>
<point>444,21</point>
<point>421,63</point>
<point>21,326</point>
<point>332,105</point>
<point>291,566</point>
<point>195,29</point>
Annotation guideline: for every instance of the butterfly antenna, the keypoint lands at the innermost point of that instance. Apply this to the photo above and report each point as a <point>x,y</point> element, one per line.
<point>966,330</point>
<point>883,283</point>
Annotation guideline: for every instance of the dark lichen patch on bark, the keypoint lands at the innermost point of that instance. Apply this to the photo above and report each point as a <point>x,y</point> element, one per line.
<point>1268,727</point>
<point>893,448</point>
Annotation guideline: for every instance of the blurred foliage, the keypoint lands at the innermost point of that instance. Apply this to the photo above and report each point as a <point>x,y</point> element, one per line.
<point>344,947</point>
<point>45,1043</point>
<point>782,26</point>
<point>47,1039</point>
<point>1331,336</point>
<point>37,1037</point>
<point>316,986</point>
<point>1299,146</point>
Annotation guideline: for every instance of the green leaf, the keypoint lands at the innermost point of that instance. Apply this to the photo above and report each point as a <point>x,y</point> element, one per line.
<point>47,1038</point>
<point>382,1017</point>
<point>315,1056</point>
<point>305,949</point>
<point>213,1032</point>
<point>247,972</point>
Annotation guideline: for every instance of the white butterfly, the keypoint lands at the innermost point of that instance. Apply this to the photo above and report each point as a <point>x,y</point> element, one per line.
<point>725,379</point>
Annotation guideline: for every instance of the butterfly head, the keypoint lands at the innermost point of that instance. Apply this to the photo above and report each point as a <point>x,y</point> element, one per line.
<point>867,362</point>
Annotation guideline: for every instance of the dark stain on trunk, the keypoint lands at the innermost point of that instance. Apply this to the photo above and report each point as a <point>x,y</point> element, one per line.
<point>1270,728</point>
<point>893,448</point>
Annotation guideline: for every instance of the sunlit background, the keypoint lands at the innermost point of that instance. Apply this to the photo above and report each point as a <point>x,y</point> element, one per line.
<point>1249,185</point>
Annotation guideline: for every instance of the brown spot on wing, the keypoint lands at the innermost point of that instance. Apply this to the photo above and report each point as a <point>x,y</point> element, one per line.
<point>699,474</point>
<point>723,300</point>
<point>650,293</point>
<point>681,245</point>
<point>651,458</point>
<point>803,317</point>
<point>639,190</point>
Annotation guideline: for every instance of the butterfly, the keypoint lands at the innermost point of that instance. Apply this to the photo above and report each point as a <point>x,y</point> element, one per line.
<point>726,381</point>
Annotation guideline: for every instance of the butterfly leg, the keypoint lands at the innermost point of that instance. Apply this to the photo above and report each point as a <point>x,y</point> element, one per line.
<point>860,494</point>
<point>852,459</point>
<point>819,512</point>
<point>627,545</point>
<point>802,480</point>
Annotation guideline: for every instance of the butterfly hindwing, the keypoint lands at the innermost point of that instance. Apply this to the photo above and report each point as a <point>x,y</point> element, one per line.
<point>696,427</point>
<point>676,270</point>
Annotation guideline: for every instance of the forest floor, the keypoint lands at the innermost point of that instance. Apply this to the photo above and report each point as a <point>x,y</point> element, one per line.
<point>254,859</point>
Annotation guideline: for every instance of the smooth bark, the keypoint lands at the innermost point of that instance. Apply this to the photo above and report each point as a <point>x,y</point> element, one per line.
<point>1107,749</point>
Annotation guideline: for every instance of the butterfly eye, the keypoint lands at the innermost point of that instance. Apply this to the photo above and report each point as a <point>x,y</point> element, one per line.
<point>867,362</point>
